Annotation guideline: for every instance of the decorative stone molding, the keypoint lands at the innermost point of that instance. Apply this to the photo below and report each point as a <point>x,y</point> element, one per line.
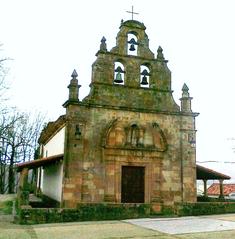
<point>122,135</point>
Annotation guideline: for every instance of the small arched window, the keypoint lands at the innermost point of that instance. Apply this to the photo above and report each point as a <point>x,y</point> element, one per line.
<point>133,135</point>
<point>119,73</point>
<point>132,44</point>
<point>144,76</point>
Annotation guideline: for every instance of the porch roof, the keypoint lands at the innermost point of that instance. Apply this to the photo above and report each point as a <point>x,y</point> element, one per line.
<point>39,162</point>
<point>207,174</point>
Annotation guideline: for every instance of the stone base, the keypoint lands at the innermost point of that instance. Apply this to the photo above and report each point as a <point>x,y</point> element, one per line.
<point>109,198</point>
<point>156,207</point>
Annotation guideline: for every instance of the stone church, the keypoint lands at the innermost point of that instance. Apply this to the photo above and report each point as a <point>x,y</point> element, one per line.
<point>127,141</point>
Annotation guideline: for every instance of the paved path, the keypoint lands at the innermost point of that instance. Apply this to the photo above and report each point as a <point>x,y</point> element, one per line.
<point>7,197</point>
<point>187,224</point>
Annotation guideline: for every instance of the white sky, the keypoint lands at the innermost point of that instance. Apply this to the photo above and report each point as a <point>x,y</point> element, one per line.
<point>49,38</point>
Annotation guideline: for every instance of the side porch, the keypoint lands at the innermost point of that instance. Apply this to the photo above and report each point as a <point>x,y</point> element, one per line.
<point>49,169</point>
<point>206,174</point>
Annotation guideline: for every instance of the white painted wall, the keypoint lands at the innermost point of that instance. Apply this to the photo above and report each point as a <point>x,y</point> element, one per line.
<point>52,176</point>
<point>55,145</point>
<point>52,181</point>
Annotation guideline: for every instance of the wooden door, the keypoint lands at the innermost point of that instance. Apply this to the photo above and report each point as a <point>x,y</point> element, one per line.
<point>132,184</point>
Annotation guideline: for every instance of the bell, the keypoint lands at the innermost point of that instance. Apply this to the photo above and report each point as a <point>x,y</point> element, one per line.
<point>144,80</point>
<point>119,69</point>
<point>132,47</point>
<point>118,78</point>
<point>133,43</point>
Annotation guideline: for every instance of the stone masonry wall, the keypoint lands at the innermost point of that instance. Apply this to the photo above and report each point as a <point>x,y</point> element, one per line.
<point>93,168</point>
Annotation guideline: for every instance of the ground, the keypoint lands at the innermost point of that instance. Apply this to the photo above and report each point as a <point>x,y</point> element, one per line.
<point>108,230</point>
<point>7,197</point>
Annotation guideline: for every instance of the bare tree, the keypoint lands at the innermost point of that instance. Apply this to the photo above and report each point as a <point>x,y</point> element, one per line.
<point>3,121</point>
<point>19,133</point>
<point>18,143</point>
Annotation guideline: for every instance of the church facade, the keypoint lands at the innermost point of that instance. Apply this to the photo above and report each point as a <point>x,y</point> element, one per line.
<point>127,141</point>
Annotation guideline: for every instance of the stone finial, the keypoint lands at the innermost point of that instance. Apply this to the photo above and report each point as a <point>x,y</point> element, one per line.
<point>160,56</point>
<point>74,87</point>
<point>185,99</point>
<point>103,45</point>
<point>185,90</point>
<point>103,40</point>
<point>74,74</point>
<point>185,87</point>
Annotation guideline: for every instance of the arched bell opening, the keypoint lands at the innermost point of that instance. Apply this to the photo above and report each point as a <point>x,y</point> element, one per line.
<point>132,44</point>
<point>119,73</point>
<point>144,76</point>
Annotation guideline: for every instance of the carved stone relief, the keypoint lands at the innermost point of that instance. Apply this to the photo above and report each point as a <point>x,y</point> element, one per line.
<point>134,135</point>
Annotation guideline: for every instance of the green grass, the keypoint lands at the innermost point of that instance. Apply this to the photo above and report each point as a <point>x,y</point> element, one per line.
<point>6,207</point>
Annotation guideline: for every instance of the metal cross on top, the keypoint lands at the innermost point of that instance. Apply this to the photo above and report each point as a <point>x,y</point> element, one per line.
<point>132,12</point>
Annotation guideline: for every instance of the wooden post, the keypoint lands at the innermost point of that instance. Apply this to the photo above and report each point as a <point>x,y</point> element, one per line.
<point>205,187</point>
<point>23,178</point>
<point>221,196</point>
<point>23,195</point>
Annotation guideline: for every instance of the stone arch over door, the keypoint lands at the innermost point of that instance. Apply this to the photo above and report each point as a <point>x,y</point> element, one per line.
<point>121,134</point>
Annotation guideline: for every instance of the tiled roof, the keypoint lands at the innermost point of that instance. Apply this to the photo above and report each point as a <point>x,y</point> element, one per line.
<point>214,189</point>
<point>207,173</point>
<point>39,162</point>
